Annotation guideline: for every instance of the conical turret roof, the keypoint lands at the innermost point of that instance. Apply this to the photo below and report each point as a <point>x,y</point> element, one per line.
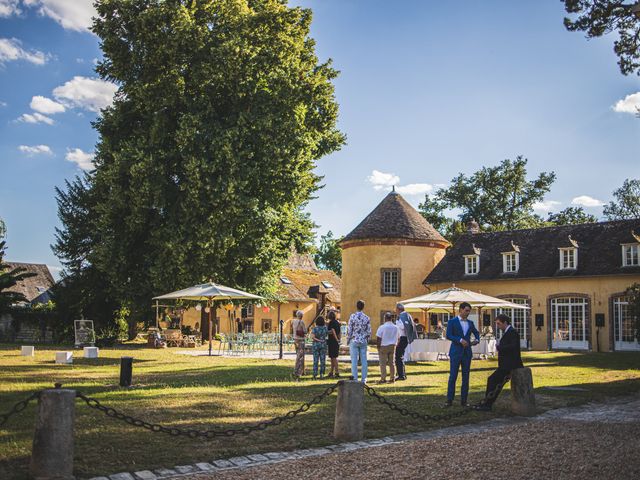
<point>394,218</point>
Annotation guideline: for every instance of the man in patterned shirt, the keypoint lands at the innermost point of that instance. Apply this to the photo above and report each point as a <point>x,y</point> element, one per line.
<point>358,334</point>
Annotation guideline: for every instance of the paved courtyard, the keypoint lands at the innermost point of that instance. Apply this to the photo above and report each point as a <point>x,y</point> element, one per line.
<point>594,441</point>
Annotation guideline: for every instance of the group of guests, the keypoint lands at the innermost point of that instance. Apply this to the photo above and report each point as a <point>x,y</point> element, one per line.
<point>325,336</point>
<point>392,339</point>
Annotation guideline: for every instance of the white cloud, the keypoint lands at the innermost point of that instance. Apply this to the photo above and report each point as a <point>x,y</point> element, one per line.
<point>46,105</point>
<point>8,8</point>
<point>71,14</point>
<point>630,104</point>
<point>3,104</point>
<point>545,206</point>
<point>587,201</point>
<point>84,160</point>
<point>89,93</point>
<point>35,149</point>
<point>415,189</point>
<point>381,180</point>
<point>11,50</point>
<point>35,118</point>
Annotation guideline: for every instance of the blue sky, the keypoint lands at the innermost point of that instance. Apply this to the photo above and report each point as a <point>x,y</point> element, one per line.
<point>427,90</point>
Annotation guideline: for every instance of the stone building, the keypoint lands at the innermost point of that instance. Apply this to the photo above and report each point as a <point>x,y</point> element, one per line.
<point>386,257</point>
<point>572,277</point>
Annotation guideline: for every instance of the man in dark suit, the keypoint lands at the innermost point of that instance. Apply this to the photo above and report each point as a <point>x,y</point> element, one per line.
<point>508,359</point>
<point>459,330</point>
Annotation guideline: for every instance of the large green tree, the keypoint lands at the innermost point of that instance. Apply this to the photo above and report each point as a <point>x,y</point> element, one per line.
<point>601,17</point>
<point>205,160</point>
<point>571,216</point>
<point>329,254</point>
<point>627,201</point>
<point>498,198</point>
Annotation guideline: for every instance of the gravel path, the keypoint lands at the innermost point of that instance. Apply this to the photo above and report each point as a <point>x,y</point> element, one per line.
<point>575,445</point>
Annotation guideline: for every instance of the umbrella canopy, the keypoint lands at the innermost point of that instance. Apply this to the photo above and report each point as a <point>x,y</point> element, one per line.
<point>454,295</point>
<point>207,292</point>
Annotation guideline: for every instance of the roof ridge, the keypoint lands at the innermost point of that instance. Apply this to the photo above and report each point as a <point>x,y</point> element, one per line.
<point>551,227</point>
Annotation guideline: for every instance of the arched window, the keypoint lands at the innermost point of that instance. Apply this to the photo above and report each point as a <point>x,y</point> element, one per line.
<point>624,325</point>
<point>569,322</point>
<point>519,319</point>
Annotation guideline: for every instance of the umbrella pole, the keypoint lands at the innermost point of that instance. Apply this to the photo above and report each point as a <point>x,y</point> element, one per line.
<point>210,329</point>
<point>157,314</point>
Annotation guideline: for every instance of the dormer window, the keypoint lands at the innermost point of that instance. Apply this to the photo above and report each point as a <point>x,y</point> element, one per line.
<point>327,284</point>
<point>568,258</point>
<point>285,280</point>
<point>510,262</point>
<point>631,255</point>
<point>471,264</point>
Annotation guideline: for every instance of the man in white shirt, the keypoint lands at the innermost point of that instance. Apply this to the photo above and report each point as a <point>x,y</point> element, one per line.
<point>386,339</point>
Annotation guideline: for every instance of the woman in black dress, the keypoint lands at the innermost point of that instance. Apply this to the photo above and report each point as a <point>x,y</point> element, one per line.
<point>333,343</point>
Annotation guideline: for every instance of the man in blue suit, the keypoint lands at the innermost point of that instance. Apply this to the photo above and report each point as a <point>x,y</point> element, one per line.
<point>459,330</point>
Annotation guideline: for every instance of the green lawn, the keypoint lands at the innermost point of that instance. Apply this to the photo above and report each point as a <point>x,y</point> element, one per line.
<point>206,392</point>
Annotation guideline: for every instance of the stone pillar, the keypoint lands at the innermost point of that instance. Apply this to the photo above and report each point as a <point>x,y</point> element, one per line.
<point>523,400</point>
<point>349,421</point>
<point>52,455</point>
<point>126,370</point>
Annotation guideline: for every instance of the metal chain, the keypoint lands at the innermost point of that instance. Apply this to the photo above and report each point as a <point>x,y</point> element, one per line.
<point>433,418</point>
<point>17,408</point>
<point>415,415</point>
<point>216,432</point>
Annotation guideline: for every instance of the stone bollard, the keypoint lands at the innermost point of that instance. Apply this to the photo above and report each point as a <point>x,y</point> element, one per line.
<point>523,400</point>
<point>349,421</point>
<point>126,370</point>
<point>52,455</point>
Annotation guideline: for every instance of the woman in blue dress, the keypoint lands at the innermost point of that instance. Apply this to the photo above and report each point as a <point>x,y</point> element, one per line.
<point>319,335</point>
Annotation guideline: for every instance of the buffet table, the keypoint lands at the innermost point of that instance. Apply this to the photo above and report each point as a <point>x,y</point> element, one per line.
<point>432,350</point>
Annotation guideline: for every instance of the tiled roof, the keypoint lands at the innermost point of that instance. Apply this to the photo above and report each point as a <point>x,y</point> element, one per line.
<point>36,287</point>
<point>306,281</point>
<point>599,252</point>
<point>394,218</point>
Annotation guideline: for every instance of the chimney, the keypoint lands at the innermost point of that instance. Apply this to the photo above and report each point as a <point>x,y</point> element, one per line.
<point>472,226</point>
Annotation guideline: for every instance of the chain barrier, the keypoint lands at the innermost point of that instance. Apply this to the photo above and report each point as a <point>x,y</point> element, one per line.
<point>216,432</point>
<point>437,417</point>
<point>17,408</point>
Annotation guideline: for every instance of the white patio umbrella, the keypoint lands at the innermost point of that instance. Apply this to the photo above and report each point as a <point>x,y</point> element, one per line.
<point>210,293</point>
<point>447,299</point>
<point>450,297</point>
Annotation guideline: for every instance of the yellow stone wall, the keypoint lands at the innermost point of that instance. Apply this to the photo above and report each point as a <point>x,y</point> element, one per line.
<point>361,277</point>
<point>192,317</point>
<point>599,290</point>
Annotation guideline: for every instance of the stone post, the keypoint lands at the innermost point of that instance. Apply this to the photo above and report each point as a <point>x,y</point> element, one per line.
<point>126,370</point>
<point>349,421</point>
<point>523,400</point>
<point>52,455</point>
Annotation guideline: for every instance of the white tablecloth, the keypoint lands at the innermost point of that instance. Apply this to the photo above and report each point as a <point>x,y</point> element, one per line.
<point>431,350</point>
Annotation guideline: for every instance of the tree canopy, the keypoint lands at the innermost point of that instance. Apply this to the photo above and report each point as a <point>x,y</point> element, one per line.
<point>205,159</point>
<point>601,17</point>
<point>498,198</point>
<point>571,216</point>
<point>329,253</point>
<point>627,201</point>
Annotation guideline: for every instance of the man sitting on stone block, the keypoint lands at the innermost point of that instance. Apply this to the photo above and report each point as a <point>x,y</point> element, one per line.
<point>508,359</point>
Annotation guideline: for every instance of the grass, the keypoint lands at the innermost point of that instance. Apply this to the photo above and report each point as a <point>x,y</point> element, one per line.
<point>206,392</point>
